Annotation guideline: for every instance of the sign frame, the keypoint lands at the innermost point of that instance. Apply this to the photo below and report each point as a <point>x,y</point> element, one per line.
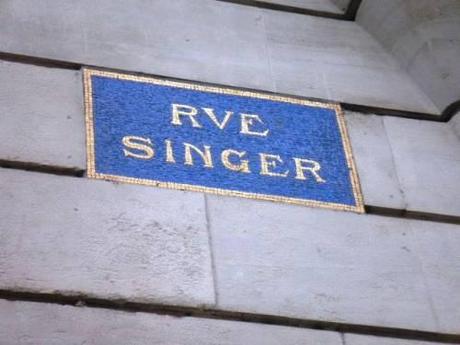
<point>90,141</point>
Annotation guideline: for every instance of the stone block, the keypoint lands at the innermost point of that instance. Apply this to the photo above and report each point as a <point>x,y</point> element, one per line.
<point>326,265</point>
<point>115,241</point>
<point>426,156</point>
<point>24,323</point>
<point>374,161</point>
<point>42,118</point>
<point>438,250</point>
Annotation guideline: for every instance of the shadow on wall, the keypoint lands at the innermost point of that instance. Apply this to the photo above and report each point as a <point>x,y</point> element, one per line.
<point>424,36</point>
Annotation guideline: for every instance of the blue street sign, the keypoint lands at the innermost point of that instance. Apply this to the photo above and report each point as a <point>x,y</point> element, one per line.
<point>218,140</point>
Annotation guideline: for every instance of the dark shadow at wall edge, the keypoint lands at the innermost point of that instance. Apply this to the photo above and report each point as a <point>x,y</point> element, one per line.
<point>352,10</point>
<point>450,111</point>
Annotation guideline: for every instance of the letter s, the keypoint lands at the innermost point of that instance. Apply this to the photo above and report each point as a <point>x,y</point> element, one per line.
<point>140,144</point>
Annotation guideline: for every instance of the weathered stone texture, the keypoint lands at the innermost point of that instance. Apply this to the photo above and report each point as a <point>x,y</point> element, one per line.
<point>71,235</point>
<point>423,35</point>
<point>374,160</point>
<point>438,248</point>
<point>354,339</point>
<point>335,266</point>
<point>455,124</point>
<point>41,114</point>
<point>77,236</point>
<point>218,42</point>
<point>341,4</point>
<point>336,60</point>
<point>24,323</point>
<point>427,160</point>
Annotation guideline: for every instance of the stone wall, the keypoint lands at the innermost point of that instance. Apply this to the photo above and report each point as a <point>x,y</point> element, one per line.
<point>100,262</point>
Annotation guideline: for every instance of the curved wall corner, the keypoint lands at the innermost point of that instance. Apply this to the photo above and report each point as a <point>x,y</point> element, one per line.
<point>424,36</point>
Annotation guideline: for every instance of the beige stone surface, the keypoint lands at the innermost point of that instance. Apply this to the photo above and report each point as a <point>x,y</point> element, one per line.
<point>335,266</point>
<point>24,323</point>
<point>115,241</point>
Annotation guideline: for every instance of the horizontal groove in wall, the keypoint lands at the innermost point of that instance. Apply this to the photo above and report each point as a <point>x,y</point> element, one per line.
<point>290,9</point>
<point>41,168</point>
<point>415,215</point>
<point>123,305</point>
<point>449,112</point>
<point>39,61</point>
<point>369,209</point>
<point>366,109</point>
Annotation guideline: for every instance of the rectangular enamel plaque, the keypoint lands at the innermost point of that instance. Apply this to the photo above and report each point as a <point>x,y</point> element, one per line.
<point>187,136</point>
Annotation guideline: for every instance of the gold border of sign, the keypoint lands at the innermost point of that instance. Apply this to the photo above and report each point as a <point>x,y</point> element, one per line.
<point>91,167</point>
